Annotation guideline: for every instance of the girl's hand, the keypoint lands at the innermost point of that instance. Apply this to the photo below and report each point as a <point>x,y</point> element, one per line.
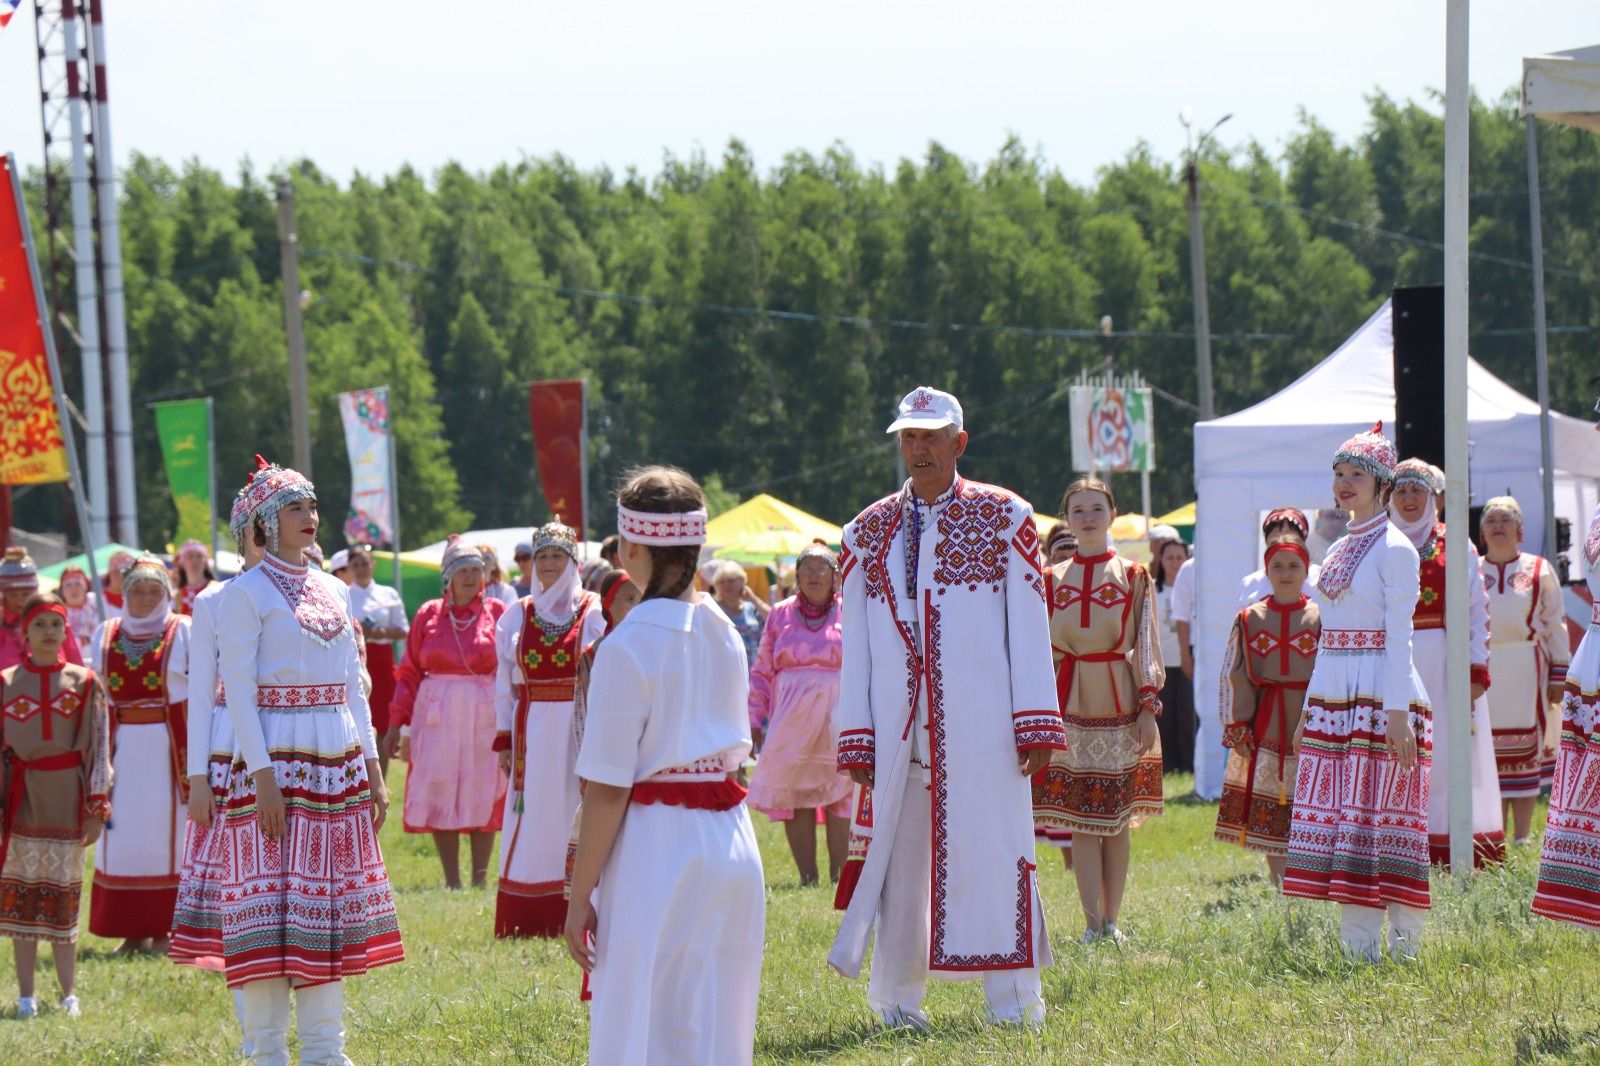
<point>1401,739</point>
<point>1477,691</point>
<point>1557,693</point>
<point>1299,735</point>
<point>380,793</point>
<point>269,806</point>
<point>390,744</point>
<point>1146,725</point>
<point>202,806</point>
<point>581,927</point>
<point>91,830</point>
<point>505,760</point>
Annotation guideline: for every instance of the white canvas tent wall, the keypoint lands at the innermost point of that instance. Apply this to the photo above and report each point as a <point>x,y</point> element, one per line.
<point>1279,453</point>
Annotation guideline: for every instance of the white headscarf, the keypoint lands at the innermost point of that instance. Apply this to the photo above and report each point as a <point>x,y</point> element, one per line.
<point>560,601</point>
<point>1417,531</point>
<point>152,623</point>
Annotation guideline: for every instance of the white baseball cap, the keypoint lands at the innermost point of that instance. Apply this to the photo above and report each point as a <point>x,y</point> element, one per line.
<point>340,560</point>
<point>925,407</point>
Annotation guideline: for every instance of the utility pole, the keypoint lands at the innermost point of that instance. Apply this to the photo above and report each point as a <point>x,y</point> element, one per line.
<point>1197,270</point>
<point>299,401</point>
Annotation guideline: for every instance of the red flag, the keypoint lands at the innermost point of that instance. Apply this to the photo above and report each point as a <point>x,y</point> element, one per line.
<point>31,448</point>
<point>557,410</point>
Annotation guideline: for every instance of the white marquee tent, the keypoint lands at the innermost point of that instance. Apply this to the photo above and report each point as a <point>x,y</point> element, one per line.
<point>1278,453</point>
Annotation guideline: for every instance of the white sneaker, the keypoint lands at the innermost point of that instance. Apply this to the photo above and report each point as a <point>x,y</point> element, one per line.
<point>1031,1017</point>
<point>1115,935</point>
<point>904,1018</point>
<point>69,1006</point>
<point>1090,936</point>
<point>27,1006</point>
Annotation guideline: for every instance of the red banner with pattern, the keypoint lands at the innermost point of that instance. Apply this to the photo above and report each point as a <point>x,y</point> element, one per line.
<point>557,410</point>
<point>31,448</point>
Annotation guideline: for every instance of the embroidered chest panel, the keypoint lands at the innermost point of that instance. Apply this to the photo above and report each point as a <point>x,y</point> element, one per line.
<point>1281,644</point>
<point>872,532</point>
<point>971,550</point>
<point>66,702</point>
<point>1430,578</point>
<point>136,671</point>
<point>316,609</point>
<point>550,656</point>
<point>1346,555</point>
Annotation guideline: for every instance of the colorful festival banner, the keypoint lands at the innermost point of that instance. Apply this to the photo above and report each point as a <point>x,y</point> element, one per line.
<point>31,448</point>
<point>559,434</point>
<point>367,438</point>
<point>184,427</point>
<point>1112,427</point>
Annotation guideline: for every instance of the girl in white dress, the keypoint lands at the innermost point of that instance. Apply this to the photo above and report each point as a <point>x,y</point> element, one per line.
<point>667,912</point>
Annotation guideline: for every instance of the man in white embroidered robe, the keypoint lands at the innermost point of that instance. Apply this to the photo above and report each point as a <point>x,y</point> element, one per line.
<point>947,707</point>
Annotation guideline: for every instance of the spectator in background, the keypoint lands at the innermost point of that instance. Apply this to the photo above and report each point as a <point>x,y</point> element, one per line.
<point>339,566</point>
<point>1060,546</point>
<point>608,552</point>
<point>19,583</point>
<point>1177,720</point>
<point>1208,751</point>
<point>82,616</point>
<point>111,583</point>
<point>494,586</point>
<point>522,555</point>
<point>192,575</point>
<point>731,592</point>
<point>381,615</point>
<point>1280,523</point>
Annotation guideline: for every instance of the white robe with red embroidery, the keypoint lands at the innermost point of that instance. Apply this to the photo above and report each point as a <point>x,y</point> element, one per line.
<point>974,647</point>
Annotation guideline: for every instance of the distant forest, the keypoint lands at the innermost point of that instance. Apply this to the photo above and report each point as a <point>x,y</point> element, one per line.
<point>757,328</point>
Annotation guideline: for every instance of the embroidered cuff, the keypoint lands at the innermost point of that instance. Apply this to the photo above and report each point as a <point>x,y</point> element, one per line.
<point>98,807</point>
<point>1235,733</point>
<point>1480,674</point>
<point>1558,673</point>
<point>1039,729</point>
<point>502,742</point>
<point>856,750</point>
<point>1150,700</point>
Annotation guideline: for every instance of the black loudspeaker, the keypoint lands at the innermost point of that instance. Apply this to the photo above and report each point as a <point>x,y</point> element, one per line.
<point>1419,373</point>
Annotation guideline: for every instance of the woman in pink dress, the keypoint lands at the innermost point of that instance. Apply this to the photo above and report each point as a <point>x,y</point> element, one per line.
<point>444,695</point>
<point>794,685</point>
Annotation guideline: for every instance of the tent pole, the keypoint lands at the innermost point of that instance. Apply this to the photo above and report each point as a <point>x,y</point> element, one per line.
<point>1456,714</point>
<point>1541,344</point>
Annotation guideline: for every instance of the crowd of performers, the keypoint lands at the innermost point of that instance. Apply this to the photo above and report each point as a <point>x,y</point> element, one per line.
<point>941,696</point>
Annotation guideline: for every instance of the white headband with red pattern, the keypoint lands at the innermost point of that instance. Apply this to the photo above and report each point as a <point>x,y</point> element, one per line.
<point>662,530</point>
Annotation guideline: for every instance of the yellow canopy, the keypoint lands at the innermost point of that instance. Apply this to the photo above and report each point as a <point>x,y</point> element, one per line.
<point>762,513</point>
<point>1183,516</point>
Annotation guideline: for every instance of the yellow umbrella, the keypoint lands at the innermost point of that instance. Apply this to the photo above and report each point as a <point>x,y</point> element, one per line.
<point>762,513</point>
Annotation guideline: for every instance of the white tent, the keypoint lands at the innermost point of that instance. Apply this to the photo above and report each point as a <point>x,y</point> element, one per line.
<point>1278,453</point>
<point>1564,87</point>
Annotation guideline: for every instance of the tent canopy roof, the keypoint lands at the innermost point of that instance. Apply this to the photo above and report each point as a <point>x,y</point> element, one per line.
<point>1564,87</point>
<point>763,512</point>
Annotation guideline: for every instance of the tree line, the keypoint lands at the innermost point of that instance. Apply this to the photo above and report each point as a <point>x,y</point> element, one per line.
<point>757,328</point>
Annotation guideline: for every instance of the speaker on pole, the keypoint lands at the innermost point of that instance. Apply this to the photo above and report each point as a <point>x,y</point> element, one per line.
<point>1419,372</point>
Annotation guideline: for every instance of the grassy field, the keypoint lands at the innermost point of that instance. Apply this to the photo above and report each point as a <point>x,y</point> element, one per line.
<point>1217,969</point>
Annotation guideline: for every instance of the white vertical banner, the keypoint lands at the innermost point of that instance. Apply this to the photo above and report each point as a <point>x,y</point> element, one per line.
<point>367,438</point>
<point>1112,425</point>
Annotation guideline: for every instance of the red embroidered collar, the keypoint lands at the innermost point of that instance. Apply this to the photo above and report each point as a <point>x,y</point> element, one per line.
<point>1286,608</point>
<point>60,664</point>
<point>1095,560</point>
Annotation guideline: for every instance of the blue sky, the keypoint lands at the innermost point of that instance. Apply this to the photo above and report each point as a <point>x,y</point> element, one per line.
<point>361,85</point>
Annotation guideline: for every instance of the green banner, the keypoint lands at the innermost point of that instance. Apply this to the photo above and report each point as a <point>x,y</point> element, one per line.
<point>184,427</point>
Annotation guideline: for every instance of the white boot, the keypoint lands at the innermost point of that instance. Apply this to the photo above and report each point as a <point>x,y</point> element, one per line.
<point>320,1011</point>
<point>266,1021</point>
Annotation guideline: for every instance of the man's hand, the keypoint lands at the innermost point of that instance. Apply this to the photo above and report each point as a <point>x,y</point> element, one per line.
<point>1033,760</point>
<point>1186,664</point>
<point>861,776</point>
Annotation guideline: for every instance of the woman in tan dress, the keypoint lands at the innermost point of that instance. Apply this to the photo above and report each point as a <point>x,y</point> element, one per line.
<point>1108,681</point>
<point>1265,670</point>
<point>54,736</point>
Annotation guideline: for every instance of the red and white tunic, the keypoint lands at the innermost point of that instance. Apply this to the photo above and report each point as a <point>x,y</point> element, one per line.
<point>1530,651</point>
<point>1359,833</point>
<point>534,684</point>
<point>1569,859</point>
<point>317,906</point>
<point>946,666</point>
<point>138,858</point>
<point>1428,651</point>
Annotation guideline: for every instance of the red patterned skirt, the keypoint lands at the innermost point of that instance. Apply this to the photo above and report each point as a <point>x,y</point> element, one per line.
<point>1100,785</point>
<point>314,907</point>
<point>1569,859</point>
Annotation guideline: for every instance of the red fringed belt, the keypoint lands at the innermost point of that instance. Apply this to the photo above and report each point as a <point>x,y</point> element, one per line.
<point>67,760</point>
<point>1068,667</point>
<point>1273,706</point>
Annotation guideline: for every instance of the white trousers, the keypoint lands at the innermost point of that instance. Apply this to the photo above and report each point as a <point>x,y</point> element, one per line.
<point>899,977</point>
<point>320,1022</point>
<point>1361,931</point>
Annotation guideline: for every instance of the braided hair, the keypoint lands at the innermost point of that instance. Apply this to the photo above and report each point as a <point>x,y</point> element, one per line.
<point>664,490</point>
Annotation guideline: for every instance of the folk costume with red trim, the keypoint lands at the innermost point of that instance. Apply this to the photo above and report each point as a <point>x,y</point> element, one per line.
<point>56,742</point>
<point>540,640</point>
<point>140,854</point>
<point>946,683</point>
<point>1569,859</point>
<point>1265,671</point>
<point>315,907</point>
<point>1359,832</point>
<point>1530,651</point>
<point>1108,669</point>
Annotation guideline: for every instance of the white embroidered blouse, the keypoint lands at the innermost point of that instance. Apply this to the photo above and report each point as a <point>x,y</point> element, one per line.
<point>287,628</point>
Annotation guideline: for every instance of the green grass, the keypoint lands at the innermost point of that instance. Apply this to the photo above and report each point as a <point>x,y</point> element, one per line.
<point>1218,969</point>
